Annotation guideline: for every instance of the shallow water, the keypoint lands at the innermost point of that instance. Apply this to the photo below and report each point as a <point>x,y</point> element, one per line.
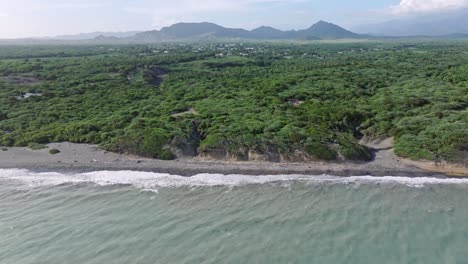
<point>136,217</point>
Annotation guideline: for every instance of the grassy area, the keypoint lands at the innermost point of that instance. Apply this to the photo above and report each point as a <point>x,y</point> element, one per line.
<point>36,146</point>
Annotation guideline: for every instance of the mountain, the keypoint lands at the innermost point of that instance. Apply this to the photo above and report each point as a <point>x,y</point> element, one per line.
<point>440,24</point>
<point>265,32</point>
<point>325,30</point>
<point>93,35</point>
<point>207,31</point>
<point>192,31</point>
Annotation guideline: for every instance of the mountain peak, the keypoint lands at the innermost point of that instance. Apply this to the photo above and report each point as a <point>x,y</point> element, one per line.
<point>263,28</point>
<point>266,29</point>
<point>266,32</point>
<point>322,22</point>
<point>202,25</point>
<point>189,30</point>
<point>327,30</point>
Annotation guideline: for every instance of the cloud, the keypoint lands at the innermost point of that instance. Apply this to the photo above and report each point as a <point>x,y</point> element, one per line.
<point>168,12</point>
<point>426,6</point>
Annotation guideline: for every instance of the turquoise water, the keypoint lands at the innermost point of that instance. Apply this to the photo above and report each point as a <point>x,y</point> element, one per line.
<point>134,217</point>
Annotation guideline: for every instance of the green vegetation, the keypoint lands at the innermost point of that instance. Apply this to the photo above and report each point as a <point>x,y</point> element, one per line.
<point>277,100</point>
<point>54,151</point>
<point>36,146</point>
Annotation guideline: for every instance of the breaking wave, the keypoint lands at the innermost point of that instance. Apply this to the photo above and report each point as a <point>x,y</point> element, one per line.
<point>150,180</point>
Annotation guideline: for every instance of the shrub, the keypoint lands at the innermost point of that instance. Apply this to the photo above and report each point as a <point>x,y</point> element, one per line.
<point>355,152</point>
<point>54,151</point>
<point>352,150</point>
<point>166,154</point>
<point>212,141</point>
<point>36,146</point>
<point>409,146</point>
<point>320,151</point>
<point>3,116</point>
<point>152,145</point>
<point>7,140</point>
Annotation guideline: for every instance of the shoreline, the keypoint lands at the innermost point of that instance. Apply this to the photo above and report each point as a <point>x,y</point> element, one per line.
<point>227,170</point>
<point>83,158</point>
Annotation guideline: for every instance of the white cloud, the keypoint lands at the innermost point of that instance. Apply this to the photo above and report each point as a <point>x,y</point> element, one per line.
<point>425,6</point>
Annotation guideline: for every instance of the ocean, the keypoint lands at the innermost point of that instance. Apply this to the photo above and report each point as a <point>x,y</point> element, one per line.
<point>139,217</point>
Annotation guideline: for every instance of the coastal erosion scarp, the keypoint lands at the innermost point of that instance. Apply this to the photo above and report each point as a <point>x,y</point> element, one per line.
<point>443,167</point>
<point>88,158</point>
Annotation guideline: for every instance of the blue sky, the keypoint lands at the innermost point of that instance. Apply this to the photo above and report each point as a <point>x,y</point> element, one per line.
<point>26,18</point>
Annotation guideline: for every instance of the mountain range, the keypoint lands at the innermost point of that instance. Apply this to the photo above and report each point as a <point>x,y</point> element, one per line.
<point>453,25</point>
<point>207,31</point>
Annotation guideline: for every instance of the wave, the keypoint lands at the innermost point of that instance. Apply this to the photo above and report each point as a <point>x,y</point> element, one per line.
<point>152,181</point>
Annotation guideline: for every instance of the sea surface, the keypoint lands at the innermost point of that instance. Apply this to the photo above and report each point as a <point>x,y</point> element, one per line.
<point>137,217</point>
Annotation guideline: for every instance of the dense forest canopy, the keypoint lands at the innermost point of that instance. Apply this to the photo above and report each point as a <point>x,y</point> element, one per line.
<point>270,101</point>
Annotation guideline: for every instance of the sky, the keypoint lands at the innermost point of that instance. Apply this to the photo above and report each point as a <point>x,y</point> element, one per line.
<point>38,18</point>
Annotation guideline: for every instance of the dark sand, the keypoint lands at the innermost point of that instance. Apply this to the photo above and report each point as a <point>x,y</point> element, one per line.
<point>85,158</point>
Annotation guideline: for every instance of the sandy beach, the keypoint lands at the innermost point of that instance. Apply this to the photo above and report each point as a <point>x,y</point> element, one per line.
<point>84,158</point>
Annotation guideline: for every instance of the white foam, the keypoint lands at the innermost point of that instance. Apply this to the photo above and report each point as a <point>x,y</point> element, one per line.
<point>152,181</point>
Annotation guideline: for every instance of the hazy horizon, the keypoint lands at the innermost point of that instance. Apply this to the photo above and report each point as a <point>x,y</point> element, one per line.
<point>33,18</point>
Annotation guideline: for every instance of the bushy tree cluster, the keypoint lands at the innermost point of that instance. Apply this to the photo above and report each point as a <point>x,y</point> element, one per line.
<point>278,100</point>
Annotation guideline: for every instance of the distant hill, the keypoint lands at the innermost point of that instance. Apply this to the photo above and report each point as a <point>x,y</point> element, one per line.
<point>93,35</point>
<point>265,32</point>
<point>206,31</point>
<point>325,30</point>
<point>440,24</point>
<point>191,31</point>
